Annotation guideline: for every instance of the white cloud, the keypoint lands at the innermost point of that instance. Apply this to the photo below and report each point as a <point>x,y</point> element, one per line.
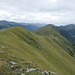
<point>42,11</point>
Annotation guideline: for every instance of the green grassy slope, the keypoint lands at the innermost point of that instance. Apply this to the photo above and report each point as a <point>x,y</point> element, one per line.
<point>20,45</point>
<point>51,32</point>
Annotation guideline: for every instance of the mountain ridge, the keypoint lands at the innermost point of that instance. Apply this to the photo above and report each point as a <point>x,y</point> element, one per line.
<point>19,45</point>
<point>52,32</point>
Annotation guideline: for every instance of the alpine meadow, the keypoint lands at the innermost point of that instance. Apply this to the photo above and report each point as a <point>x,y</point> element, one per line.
<point>48,51</point>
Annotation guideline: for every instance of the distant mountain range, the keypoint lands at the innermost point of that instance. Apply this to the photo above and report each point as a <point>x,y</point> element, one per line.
<point>29,26</point>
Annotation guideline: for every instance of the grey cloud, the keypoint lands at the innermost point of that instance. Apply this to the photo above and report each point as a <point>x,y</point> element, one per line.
<point>45,11</point>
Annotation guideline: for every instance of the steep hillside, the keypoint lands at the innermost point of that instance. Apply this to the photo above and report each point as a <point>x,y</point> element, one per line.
<point>68,31</point>
<point>20,48</point>
<point>52,32</point>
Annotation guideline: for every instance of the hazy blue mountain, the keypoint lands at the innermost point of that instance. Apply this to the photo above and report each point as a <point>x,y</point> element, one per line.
<point>4,24</point>
<point>29,26</point>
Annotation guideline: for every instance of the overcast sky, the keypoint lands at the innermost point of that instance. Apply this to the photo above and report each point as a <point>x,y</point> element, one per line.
<point>38,11</point>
